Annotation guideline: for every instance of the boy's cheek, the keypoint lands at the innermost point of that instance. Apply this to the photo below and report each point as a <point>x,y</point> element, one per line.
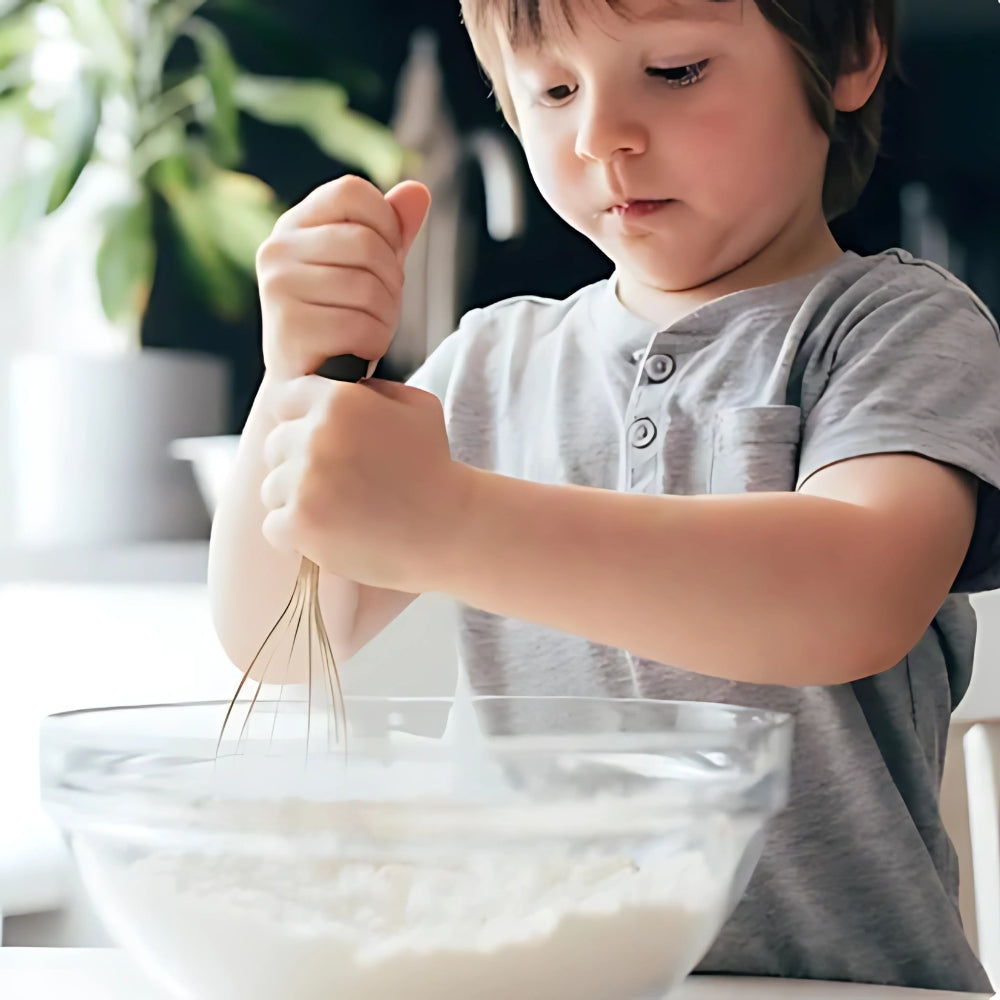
<point>554,174</point>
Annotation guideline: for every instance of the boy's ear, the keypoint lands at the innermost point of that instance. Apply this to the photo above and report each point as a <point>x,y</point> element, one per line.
<point>853,88</point>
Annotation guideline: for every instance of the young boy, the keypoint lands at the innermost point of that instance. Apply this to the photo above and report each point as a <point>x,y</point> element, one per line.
<point>750,467</point>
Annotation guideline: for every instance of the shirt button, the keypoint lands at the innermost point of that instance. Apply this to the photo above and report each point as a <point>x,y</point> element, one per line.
<point>642,433</point>
<point>659,367</point>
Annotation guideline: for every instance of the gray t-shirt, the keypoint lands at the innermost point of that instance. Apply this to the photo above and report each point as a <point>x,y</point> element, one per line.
<point>756,391</point>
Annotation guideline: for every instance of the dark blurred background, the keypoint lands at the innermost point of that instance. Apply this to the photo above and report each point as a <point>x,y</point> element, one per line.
<point>935,189</point>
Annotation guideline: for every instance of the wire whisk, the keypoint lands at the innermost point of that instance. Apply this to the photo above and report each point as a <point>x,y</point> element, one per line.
<point>301,629</point>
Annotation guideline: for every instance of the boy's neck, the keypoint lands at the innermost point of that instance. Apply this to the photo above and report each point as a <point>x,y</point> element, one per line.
<point>771,265</point>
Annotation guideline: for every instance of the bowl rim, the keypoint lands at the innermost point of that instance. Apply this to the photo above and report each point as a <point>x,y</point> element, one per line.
<point>764,718</point>
<point>95,728</point>
<point>74,785</point>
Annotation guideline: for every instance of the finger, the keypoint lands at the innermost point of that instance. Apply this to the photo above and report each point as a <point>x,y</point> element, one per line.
<point>295,399</point>
<point>321,332</point>
<point>283,442</point>
<point>390,389</point>
<point>411,201</point>
<point>401,392</point>
<point>340,287</point>
<point>347,245</point>
<point>276,529</point>
<point>346,199</point>
<point>278,486</point>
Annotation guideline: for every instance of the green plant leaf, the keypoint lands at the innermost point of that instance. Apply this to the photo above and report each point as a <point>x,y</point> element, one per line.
<point>243,210</point>
<point>222,124</point>
<point>225,286</point>
<point>16,103</point>
<point>321,110</point>
<point>15,72</point>
<point>22,203</point>
<point>165,142</point>
<point>171,15</point>
<point>8,8</point>
<point>126,259</point>
<point>104,38</point>
<point>74,132</point>
<point>18,36</point>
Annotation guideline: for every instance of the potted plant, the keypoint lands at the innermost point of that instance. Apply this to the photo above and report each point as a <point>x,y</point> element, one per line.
<point>117,109</point>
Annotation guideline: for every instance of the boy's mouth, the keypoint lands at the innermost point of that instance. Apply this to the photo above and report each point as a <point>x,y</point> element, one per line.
<point>639,208</point>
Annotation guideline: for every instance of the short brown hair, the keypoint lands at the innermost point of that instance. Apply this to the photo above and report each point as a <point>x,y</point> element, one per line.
<point>830,37</point>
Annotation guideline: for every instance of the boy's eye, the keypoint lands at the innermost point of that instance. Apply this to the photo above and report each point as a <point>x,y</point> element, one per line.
<point>674,76</point>
<point>560,93</point>
<point>679,76</point>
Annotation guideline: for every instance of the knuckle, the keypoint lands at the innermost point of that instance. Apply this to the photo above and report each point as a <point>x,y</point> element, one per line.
<point>398,277</point>
<point>368,241</point>
<point>263,257</point>
<point>337,195</point>
<point>273,447</point>
<point>268,492</point>
<point>284,222</point>
<point>271,533</point>
<point>352,186</point>
<point>271,253</point>
<point>372,293</point>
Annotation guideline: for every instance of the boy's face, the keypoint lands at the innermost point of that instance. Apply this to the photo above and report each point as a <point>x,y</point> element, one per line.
<point>681,146</point>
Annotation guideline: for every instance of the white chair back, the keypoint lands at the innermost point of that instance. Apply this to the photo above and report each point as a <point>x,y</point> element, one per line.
<point>982,770</point>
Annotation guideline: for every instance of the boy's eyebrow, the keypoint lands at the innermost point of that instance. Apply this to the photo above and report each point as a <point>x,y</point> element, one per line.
<point>535,26</point>
<point>688,10</point>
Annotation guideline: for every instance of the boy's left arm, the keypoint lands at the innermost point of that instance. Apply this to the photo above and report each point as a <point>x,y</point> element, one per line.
<point>823,586</point>
<point>835,582</point>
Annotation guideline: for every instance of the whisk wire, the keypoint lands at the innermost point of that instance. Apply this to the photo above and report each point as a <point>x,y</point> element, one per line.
<point>267,645</point>
<point>301,615</point>
<point>296,616</point>
<point>332,678</point>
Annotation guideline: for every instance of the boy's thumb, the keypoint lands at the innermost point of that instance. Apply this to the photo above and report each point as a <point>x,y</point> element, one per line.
<point>410,201</point>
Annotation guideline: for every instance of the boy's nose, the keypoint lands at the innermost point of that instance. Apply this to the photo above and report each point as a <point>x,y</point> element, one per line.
<point>607,132</point>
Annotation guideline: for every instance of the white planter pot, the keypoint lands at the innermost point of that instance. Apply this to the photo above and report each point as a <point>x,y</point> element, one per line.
<point>90,440</point>
<point>212,459</point>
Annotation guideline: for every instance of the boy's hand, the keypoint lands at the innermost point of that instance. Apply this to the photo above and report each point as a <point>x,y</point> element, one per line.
<point>331,273</point>
<point>362,481</point>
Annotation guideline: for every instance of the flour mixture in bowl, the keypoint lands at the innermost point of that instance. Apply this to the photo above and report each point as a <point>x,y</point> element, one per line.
<point>590,849</point>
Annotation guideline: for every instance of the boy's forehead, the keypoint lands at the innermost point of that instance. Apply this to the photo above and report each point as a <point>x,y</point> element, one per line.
<point>681,10</point>
<point>533,23</point>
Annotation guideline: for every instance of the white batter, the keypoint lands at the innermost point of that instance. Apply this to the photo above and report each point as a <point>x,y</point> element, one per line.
<point>545,927</point>
<point>506,925</point>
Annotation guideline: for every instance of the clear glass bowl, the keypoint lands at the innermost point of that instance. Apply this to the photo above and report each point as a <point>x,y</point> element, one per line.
<point>547,848</point>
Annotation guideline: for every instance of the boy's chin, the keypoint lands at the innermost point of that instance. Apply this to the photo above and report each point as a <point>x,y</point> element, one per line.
<point>663,277</point>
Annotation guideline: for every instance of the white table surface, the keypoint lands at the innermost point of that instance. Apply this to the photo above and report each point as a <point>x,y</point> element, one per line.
<point>106,974</point>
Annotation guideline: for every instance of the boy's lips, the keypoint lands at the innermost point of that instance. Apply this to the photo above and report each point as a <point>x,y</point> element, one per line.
<point>639,207</point>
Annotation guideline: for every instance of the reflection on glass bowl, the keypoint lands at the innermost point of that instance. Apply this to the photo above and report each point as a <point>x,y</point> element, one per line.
<point>568,849</point>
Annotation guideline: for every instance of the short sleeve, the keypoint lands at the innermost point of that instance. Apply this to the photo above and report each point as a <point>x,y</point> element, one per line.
<point>435,374</point>
<point>919,372</point>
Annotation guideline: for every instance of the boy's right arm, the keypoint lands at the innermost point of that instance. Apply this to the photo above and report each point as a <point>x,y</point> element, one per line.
<point>331,279</point>
<point>250,581</point>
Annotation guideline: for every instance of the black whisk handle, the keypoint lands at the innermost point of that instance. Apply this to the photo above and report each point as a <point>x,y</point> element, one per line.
<point>344,368</point>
